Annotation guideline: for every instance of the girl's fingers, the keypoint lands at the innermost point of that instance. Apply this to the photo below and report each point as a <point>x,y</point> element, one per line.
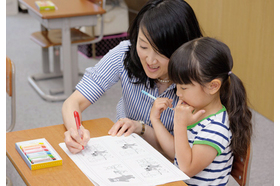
<point>198,114</point>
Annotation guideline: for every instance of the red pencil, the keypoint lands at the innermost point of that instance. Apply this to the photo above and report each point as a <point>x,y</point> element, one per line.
<point>78,122</point>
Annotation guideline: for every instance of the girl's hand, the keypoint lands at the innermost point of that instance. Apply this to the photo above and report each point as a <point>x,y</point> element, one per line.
<point>125,126</point>
<point>74,142</point>
<point>159,106</point>
<point>184,115</point>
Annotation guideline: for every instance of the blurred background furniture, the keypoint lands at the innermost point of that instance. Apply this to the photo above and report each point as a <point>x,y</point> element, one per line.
<point>74,14</point>
<point>11,91</point>
<point>115,30</point>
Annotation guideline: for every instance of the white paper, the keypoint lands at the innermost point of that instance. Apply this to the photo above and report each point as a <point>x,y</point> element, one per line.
<point>124,161</point>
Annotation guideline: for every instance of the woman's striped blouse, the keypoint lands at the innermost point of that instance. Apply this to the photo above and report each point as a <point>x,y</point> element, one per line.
<point>133,104</point>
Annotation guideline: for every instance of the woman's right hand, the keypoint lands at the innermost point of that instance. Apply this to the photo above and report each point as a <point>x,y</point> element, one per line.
<point>75,102</point>
<point>74,142</point>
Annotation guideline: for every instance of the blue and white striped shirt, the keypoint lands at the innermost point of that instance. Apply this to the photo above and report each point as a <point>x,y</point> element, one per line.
<point>214,131</point>
<point>133,104</point>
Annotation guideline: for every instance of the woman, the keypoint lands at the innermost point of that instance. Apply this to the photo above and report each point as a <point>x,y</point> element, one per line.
<point>140,63</point>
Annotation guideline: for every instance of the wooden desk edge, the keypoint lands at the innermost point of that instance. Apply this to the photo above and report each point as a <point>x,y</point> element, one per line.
<point>89,124</point>
<point>18,170</point>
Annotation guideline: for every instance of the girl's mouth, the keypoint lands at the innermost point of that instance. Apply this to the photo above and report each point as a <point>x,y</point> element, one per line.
<point>185,103</point>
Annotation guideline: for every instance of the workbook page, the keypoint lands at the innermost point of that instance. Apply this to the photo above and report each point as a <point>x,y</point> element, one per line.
<point>121,161</point>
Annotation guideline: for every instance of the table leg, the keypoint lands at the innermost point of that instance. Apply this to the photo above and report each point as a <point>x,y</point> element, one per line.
<point>56,59</point>
<point>67,58</point>
<point>75,68</point>
<point>45,60</point>
<point>45,56</point>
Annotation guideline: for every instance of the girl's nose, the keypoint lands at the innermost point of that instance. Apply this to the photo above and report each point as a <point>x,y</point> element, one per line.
<point>178,93</point>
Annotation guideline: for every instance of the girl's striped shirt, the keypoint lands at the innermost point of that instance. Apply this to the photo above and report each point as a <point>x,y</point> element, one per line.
<point>214,131</point>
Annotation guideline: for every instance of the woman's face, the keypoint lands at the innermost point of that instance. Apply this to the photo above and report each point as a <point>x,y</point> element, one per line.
<point>155,65</point>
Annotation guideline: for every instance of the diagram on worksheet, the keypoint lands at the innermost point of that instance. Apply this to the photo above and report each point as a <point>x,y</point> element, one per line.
<point>128,147</point>
<point>96,153</point>
<point>151,168</point>
<point>124,161</point>
<point>120,174</point>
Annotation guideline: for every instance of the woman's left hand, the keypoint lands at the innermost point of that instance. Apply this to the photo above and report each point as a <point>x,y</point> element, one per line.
<point>125,126</point>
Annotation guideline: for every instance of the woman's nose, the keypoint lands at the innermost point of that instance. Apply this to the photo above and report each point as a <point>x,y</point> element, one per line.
<point>151,59</point>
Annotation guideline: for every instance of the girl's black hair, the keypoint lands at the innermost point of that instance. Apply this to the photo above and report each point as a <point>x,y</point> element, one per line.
<point>167,24</point>
<point>204,59</point>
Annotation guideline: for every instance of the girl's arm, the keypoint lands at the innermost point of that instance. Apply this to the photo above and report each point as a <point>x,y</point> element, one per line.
<point>164,138</point>
<point>191,160</point>
<point>76,102</point>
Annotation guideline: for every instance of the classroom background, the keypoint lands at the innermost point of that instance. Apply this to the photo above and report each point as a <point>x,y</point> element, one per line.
<point>245,26</point>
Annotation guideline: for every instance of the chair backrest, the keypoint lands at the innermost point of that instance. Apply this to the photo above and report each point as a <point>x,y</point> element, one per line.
<point>9,76</point>
<point>241,168</point>
<point>10,89</point>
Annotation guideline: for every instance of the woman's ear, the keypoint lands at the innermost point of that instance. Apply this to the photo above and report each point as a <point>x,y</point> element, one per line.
<point>214,86</point>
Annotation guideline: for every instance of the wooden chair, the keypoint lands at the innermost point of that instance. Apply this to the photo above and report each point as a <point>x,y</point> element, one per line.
<point>53,38</point>
<point>241,168</point>
<point>11,92</point>
<point>10,89</point>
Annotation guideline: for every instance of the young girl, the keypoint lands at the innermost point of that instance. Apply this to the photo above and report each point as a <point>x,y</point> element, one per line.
<point>212,121</point>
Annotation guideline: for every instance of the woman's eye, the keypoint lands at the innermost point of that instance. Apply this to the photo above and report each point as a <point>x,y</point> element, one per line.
<point>143,47</point>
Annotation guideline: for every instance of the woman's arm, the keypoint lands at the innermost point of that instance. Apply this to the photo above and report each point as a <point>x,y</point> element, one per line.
<point>76,102</point>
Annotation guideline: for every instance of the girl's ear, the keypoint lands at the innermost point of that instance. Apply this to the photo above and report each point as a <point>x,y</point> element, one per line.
<point>214,86</point>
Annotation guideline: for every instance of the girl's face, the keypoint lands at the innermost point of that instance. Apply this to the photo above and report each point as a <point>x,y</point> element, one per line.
<point>194,95</point>
<point>155,65</point>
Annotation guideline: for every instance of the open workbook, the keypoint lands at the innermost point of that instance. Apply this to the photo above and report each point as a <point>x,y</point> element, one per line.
<point>124,161</point>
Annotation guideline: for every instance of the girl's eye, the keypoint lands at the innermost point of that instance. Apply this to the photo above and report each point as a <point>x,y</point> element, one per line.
<point>183,88</point>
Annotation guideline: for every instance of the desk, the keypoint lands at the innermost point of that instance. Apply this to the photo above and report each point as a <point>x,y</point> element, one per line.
<point>68,173</point>
<point>68,14</point>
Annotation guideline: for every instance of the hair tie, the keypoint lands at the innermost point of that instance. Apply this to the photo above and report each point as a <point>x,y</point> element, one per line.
<point>229,72</point>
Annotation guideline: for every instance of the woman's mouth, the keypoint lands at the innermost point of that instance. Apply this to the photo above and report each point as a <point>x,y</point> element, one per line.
<point>152,68</point>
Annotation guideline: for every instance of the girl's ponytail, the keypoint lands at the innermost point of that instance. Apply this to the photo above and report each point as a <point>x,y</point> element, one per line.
<point>235,100</point>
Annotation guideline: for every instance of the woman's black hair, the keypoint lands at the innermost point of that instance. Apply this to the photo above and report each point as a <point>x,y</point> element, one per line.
<point>204,59</point>
<point>167,24</point>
